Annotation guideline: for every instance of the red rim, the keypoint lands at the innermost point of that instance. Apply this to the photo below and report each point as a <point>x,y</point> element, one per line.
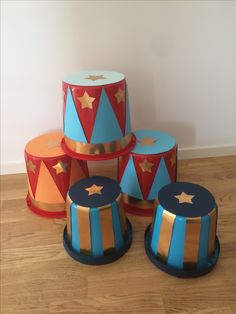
<point>147,212</point>
<point>107,156</point>
<point>44,213</point>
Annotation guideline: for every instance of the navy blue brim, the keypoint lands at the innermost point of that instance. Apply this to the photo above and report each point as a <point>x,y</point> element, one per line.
<point>179,272</point>
<point>94,260</point>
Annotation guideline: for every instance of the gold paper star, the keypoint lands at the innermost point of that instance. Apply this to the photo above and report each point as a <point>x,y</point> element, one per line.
<point>173,159</point>
<point>94,189</point>
<point>86,101</point>
<point>53,144</point>
<point>146,166</point>
<point>120,95</point>
<point>184,198</point>
<point>31,166</point>
<point>95,77</point>
<point>147,141</point>
<point>60,167</point>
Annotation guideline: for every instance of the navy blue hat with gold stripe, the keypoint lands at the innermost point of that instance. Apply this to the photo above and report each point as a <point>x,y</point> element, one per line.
<point>97,230</point>
<point>182,239</point>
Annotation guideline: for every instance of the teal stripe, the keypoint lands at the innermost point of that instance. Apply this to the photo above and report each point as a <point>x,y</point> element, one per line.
<point>116,220</point>
<point>75,241</point>
<point>203,242</point>
<point>156,228</point>
<point>176,251</point>
<point>96,232</point>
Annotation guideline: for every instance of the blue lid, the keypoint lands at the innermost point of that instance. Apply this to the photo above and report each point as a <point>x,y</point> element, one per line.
<point>153,142</point>
<point>186,199</point>
<point>94,191</point>
<point>94,78</point>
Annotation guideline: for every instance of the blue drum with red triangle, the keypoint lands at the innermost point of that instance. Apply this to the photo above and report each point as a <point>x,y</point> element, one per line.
<point>96,115</point>
<point>146,169</point>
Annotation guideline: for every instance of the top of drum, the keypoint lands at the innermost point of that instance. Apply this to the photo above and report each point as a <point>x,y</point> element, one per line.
<point>94,192</point>
<point>186,199</point>
<point>153,142</point>
<point>94,78</point>
<point>46,145</point>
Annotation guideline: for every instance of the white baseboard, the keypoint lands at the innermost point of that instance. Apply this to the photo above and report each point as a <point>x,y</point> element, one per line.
<point>13,167</point>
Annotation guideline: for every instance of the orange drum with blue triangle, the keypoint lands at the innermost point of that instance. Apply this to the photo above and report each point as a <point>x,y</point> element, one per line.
<point>96,115</point>
<point>146,169</point>
<point>50,173</point>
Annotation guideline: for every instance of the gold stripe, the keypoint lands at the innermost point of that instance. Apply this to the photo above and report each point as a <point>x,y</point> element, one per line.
<point>167,223</point>
<point>84,228</point>
<point>68,218</point>
<point>212,233</point>
<point>135,202</point>
<point>56,207</point>
<point>98,149</point>
<point>108,241</point>
<point>120,202</point>
<point>191,245</point>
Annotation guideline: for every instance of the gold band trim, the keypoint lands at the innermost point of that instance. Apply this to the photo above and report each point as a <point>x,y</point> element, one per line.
<point>57,207</point>
<point>68,217</point>
<point>135,202</point>
<point>212,233</point>
<point>167,223</point>
<point>97,149</point>
<point>84,228</point>
<point>191,245</point>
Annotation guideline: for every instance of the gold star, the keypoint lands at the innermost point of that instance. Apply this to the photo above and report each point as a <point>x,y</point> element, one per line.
<point>147,141</point>
<point>94,189</point>
<point>146,166</point>
<point>60,167</point>
<point>95,77</point>
<point>120,95</point>
<point>86,101</point>
<point>31,166</point>
<point>53,144</point>
<point>173,159</point>
<point>184,198</point>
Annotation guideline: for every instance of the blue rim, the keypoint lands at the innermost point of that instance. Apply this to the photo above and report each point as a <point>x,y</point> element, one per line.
<point>179,272</point>
<point>93,260</point>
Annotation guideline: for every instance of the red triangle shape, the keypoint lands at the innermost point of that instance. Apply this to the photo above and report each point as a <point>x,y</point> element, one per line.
<point>119,107</point>
<point>33,175</point>
<point>122,163</point>
<point>146,178</point>
<point>62,179</point>
<point>64,95</point>
<point>87,116</point>
<point>171,163</point>
<point>84,166</point>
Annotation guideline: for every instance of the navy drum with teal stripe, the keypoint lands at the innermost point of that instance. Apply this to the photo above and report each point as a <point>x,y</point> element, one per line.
<point>97,230</point>
<point>182,239</point>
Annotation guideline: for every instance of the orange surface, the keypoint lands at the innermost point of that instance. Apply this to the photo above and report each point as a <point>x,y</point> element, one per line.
<point>46,145</point>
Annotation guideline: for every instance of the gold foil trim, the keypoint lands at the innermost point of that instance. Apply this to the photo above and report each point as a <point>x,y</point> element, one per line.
<point>84,228</point>
<point>135,202</point>
<point>167,223</point>
<point>98,149</point>
<point>108,240</point>
<point>212,233</point>
<point>68,217</point>
<point>56,207</point>
<point>191,245</point>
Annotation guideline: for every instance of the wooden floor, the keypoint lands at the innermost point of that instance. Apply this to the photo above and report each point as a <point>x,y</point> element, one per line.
<point>37,276</point>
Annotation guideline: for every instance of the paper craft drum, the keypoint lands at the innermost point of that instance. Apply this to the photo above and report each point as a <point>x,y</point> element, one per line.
<point>97,230</point>
<point>182,240</point>
<point>50,173</point>
<point>146,169</point>
<point>96,115</point>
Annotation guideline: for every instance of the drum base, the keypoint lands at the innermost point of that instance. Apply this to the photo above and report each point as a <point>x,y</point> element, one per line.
<point>179,272</point>
<point>43,213</point>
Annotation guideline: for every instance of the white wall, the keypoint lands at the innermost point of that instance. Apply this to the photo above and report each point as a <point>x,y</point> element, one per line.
<point>179,58</point>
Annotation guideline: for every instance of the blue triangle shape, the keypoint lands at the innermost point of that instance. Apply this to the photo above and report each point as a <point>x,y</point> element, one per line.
<point>106,127</point>
<point>161,178</point>
<point>129,182</point>
<point>127,118</point>
<point>72,127</point>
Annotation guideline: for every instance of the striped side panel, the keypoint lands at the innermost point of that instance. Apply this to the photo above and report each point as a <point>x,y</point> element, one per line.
<point>75,240</point>
<point>96,232</point>
<point>212,235</point>
<point>203,242</point>
<point>117,226</point>
<point>84,229</point>
<point>68,217</point>
<point>191,245</point>
<point>105,215</point>
<point>156,229</point>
